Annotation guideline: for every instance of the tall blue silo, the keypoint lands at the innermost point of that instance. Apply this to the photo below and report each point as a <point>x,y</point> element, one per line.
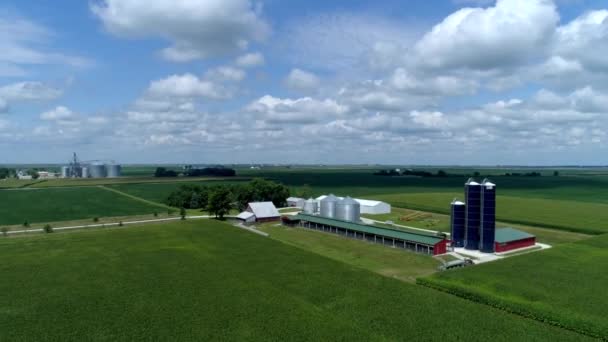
<point>457,223</point>
<point>472,192</point>
<point>488,216</point>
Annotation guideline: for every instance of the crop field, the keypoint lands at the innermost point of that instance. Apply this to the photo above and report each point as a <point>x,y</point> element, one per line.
<point>568,215</point>
<point>565,285</point>
<point>584,185</point>
<point>158,192</point>
<point>205,280</point>
<point>62,204</point>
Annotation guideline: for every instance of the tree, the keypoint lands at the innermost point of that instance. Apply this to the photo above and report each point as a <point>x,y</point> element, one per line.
<point>4,231</point>
<point>195,201</point>
<point>305,191</point>
<point>95,219</point>
<point>26,224</point>
<point>442,173</point>
<point>48,229</point>
<point>220,202</point>
<point>182,213</point>
<point>556,173</point>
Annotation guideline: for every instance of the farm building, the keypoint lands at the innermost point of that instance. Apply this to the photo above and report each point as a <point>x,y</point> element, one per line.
<point>368,206</point>
<point>413,241</point>
<point>259,212</point>
<point>246,217</point>
<point>295,202</point>
<point>508,239</point>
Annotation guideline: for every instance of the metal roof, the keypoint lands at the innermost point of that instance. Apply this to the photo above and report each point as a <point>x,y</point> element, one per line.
<point>472,182</point>
<point>294,199</point>
<point>363,202</point>
<point>504,235</point>
<point>245,215</point>
<point>264,209</point>
<point>362,228</point>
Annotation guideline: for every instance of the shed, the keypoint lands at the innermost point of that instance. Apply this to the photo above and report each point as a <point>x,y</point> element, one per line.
<point>264,211</point>
<point>246,217</point>
<point>295,202</point>
<point>508,239</point>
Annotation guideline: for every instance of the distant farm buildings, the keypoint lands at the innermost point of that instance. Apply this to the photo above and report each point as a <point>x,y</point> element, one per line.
<point>368,206</point>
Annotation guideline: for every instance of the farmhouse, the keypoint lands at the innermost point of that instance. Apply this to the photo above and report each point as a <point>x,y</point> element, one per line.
<point>259,212</point>
<point>368,206</point>
<point>413,241</point>
<point>508,239</point>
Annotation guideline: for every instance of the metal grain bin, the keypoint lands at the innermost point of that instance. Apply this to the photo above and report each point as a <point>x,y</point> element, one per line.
<point>328,206</point>
<point>97,170</point>
<point>65,172</point>
<point>85,172</point>
<point>310,206</point>
<point>113,170</point>
<point>348,210</point>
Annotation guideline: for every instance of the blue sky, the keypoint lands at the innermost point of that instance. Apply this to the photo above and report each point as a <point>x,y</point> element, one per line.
<point>240,81</point>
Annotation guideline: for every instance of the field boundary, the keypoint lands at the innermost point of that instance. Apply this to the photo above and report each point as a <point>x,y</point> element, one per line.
<point>511,307</point>
<point>135,198</point>
<point>404,205</point>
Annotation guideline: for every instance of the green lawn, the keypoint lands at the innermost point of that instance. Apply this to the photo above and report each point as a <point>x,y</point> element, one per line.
<point>205,280</point>
<point>582,217</point>
<point>394,263</point>
<point>565,285</point>
<point>62,204</point>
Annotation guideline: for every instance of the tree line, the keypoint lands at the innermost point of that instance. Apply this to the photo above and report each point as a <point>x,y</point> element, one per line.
<point>193,172</point>
<point>220,199</point>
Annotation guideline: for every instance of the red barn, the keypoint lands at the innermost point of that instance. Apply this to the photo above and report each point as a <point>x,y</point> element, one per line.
<point>508,239</point>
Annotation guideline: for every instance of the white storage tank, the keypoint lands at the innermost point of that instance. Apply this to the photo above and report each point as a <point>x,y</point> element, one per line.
<point>310,206</point>
<point>85,172</point>
<point>328,206</point>
<point>113,170</point>
<point>65,171</point>
<point>97,170</point>
<point>348,210</point>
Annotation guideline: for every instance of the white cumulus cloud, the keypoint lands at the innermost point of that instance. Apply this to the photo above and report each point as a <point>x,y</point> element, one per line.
<point>250,60</point>
<point>302,80</point>
<point>196,29</point>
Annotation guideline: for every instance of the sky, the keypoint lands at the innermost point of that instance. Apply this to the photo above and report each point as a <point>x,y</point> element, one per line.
<point>445,82</point>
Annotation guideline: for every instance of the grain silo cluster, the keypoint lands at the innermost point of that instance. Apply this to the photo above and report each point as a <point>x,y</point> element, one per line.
<point>91,169</point>
<point>473,222</point>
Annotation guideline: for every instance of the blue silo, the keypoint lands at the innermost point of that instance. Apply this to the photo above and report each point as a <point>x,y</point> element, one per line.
<point>457,223</point>
<point>472,191</point>
<point>488,216</point>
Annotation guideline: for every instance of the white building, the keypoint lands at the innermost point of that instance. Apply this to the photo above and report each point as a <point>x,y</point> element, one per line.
<point>295,202</point>
<point>259,212</point>
<point>368,206</point>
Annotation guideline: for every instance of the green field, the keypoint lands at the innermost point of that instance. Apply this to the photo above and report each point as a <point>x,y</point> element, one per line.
<point>568,215</point>
<point>565,285</point>
<point>62,204</point>
<point>158,192</point>
<point>205,280</point>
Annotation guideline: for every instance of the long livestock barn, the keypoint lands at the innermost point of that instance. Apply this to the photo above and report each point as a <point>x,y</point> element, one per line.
<point>420,243</point>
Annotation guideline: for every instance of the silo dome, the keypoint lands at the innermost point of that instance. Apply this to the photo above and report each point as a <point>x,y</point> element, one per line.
<point>328,206</point>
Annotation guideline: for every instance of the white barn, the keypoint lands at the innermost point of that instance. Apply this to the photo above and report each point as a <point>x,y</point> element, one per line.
<point>368,206</point>
<point>295,202</point>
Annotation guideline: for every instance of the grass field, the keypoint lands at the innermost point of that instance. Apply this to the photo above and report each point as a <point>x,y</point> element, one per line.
<point>568,215</point>
<point>389,262</point>
<point>62,204</point>
<point>204,280</point>
<point>440,222</point>
<point>565,285</point>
